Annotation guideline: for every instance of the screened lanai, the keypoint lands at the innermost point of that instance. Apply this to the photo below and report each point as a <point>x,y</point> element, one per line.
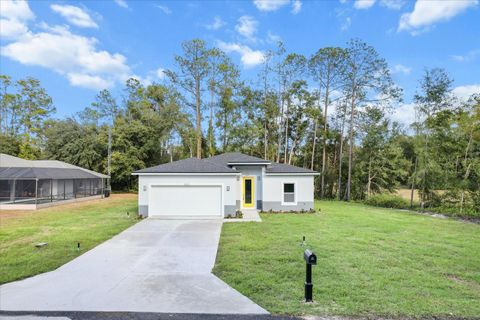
<point>29,184</point>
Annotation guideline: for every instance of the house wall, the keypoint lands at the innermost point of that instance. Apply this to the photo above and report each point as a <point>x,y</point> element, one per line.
<point>228,181</point>
<point>273,192</point>
<point>257,173</point>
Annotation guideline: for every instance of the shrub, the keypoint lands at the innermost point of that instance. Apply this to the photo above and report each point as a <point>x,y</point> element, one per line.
<point>454,211</point>
<point>387,201</point>
<point>449,208</point>
<point>239,214</point>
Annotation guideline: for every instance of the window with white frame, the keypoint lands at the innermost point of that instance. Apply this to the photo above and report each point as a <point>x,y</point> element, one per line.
<point>288,192</point>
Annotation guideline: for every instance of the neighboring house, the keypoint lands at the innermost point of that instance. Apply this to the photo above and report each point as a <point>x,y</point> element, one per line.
<point>221,185</point>
<point>33,184</point>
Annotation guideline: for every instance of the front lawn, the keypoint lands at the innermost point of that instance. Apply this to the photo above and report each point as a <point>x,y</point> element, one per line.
<point>89,223</point>
<point>371,262</point>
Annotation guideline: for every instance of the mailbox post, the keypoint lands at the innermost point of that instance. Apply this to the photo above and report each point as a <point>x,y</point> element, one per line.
<point>310,259</point>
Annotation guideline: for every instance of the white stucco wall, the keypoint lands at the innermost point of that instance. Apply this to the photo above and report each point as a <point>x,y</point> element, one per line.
<point>273,187</point>
<point>268,189</point>
<point>230,181</point>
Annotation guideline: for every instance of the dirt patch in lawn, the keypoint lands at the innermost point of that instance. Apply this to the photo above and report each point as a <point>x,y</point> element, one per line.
<point>470,284</point>
<point>112,200</point>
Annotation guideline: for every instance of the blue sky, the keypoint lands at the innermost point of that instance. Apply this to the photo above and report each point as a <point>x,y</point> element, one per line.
<point>76,48</point>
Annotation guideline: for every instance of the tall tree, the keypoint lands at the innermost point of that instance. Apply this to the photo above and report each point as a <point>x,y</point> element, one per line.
<point>381,162</point>
<point>469,129</point>
<point>215,59</point>
<point>264,77</point>
<point>341,118</point>
<point>278,69</point>
<point>368,80</point>
<point>194,68</point>
<point>107,108</point>
<point>292,69</point>
<point>301,109</point>
<point>434,96</point>
<point>8,107</point>
<point>228,90</point>
<point>77,143</point>
<point>327,67</point>
<point>37,105</point>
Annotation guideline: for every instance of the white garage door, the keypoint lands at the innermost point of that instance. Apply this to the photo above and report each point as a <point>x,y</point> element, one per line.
<point>186,201</point>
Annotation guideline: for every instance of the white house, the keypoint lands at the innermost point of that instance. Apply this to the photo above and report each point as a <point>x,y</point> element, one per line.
<point>221,185</point>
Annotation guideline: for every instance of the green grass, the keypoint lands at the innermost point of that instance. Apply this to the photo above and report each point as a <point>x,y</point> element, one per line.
<point>371,262</point>
<point>89,223</point>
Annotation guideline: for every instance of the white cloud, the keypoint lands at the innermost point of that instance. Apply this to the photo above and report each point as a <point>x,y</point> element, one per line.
<point>429,12</point>
<point>270,5</point>
<point>71,55</point>
<point>14,17</point>
<point>346,24</point>
<point>75,15</point>
<point>392,4</point>
<point>216,24</point>
<point>247,27</point>
<point>12,29</point>
<point>273,38</point>
<point>151,77</point>
<point>164,9</point>
<point>250,58</point>
<point>56,48</point>
<point>16,10</point>
<point>296,6</point>
<point>121,3</point>
<point>88,81</point>
<point>464,92</point>
<point>274,5</point>
<point>469,56</point>
<point>363,4</point>
<point>160,73</point>
<point>399,68</point>
<point>404,114</point>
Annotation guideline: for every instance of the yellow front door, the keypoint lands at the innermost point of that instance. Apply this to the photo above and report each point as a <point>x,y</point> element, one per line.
<point>248,192</point>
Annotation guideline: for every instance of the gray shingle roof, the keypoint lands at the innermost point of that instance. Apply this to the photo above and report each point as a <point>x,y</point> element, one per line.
<point>190,165</point>
<point>219,164</point>
<point>286,168</point>
<point>44,173</point>
<point>235,157</point>
<point>58,169</point>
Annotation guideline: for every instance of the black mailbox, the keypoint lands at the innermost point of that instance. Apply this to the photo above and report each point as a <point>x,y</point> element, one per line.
<point>310,257</point>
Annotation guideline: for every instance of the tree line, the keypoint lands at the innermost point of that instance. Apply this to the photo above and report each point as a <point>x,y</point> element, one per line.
<point>328,112</point>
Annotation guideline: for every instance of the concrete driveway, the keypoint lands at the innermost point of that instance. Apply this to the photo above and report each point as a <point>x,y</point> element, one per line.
<point>154,266</point>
